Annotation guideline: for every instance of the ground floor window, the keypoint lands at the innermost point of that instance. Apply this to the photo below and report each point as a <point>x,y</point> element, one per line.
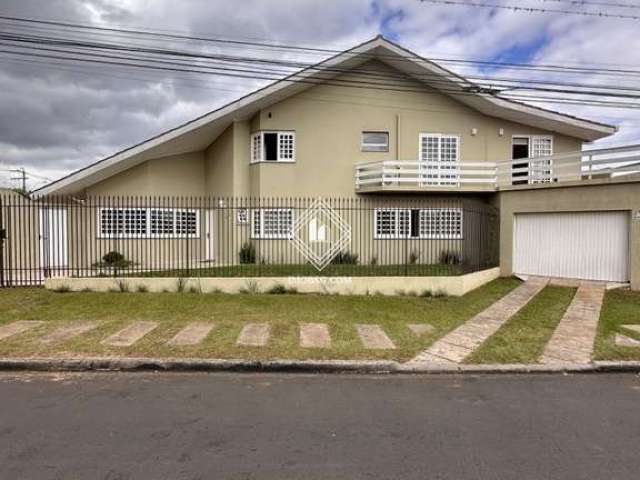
<point>272,223</point>
<point>424,223</point>
<point>148,223</point>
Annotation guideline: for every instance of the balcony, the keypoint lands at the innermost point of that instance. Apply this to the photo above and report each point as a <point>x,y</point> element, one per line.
<point>418,176</point>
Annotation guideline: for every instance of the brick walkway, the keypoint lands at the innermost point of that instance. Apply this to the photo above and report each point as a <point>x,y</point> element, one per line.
<point>461,342</point>
<point>573,339</point>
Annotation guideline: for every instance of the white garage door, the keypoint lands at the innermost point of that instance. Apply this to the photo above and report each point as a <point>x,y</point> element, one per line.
<point>584,245</point>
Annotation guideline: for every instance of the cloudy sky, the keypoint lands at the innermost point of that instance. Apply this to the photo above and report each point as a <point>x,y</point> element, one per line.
<point>59,116</point>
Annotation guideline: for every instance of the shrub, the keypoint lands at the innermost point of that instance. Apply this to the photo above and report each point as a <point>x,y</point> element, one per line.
<point>62,289</point>
<point>279,289</point>
<point>413,257</point>
<point>247,254</point>
<point>374,260</point>
<point>251,287</point>
<point>448,257</point>
<point>142,289</point>
<point>345,258</point>
<point>115,259</point>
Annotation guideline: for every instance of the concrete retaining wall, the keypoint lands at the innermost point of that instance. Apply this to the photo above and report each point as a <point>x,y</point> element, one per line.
<point>452,286</point>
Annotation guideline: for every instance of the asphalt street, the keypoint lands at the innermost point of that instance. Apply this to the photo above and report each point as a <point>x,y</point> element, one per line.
<point>279,426</point>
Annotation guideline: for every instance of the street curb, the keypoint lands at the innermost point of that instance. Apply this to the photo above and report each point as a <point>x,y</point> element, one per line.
<point>292,366</point>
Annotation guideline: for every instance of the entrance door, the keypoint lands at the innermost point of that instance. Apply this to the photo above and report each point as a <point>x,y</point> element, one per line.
<point>582,245</point>
<point>54,252</point>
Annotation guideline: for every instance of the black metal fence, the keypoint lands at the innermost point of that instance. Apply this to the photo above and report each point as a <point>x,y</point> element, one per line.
<point>243,237</point>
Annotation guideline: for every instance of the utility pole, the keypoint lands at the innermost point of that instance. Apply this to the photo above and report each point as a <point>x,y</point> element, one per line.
<point>22,178</point>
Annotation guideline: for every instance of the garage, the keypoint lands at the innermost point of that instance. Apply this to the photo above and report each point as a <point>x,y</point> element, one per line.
<point>583,245</point>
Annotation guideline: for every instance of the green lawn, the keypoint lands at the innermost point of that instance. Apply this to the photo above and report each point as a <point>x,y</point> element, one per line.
<point>230,313</point>
<point>523,337</point>
<point>338,270</point>
<point>621,307</point>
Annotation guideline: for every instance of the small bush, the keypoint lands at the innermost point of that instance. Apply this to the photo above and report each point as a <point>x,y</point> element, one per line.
<point>374,260</point>
<point>439,294</point>
<point>345,258</point>
<point>426,294</point>
<point>413,257</point>
<point>247,254</point>
<point>448,257</point>
<point>114,259</point>
<point>142,289</point>
<point>279,289</point>
<point>251,287</point>
<point>62,289</point>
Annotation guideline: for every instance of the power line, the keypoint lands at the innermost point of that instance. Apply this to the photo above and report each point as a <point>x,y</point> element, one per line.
<point>256,74</point>
<point>584,3</point>
<point>506,83</point>
<point>298,48</point>
<point>516,8</point>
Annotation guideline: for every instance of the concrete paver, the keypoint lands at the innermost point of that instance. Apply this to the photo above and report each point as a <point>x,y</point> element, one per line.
<point>192,334</point>
<point>372,336</point>
<point>68,332</point>
<point>16,328</point>
<point>632,327</point>
<point>315,335</point>
<point>624,341</point>
<point>254,335</point>
<point>130,335</point>
<point>420,329</point>
<point>461,342</point>
<point>574,337</point>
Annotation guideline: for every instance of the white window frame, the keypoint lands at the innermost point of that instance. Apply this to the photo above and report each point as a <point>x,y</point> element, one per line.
<point>533,176</point>
<point>374,147</point>
<point>439,173</point>
<point>258,215</point>
<point>147,215</point>
<point>258,150</point>
<point>399,235</point>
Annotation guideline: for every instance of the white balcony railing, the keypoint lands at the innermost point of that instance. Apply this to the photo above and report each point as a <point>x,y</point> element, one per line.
<point>573,166</point>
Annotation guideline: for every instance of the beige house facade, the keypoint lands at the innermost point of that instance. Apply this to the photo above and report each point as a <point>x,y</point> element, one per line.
<point>433,137</point>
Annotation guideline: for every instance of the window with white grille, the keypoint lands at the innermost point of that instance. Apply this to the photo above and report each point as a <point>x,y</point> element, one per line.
<point>272,223</point>
<point>540,170</point>
<point>148,223</point>
<point>123,222</point>
<point>439,157</point>
<point>256,147</point>
<point>440,223</point>
<point>273,147</point>
<point>429,223</point>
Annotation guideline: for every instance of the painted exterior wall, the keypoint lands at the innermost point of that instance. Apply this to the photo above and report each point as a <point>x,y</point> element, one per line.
<point>328,121</point>
<point>622,196</point>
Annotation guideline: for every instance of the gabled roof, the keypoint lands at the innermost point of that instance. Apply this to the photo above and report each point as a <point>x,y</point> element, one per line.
<point>199,133</point>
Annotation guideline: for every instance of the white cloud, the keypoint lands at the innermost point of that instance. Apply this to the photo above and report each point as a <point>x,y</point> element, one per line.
<point>60,117</point>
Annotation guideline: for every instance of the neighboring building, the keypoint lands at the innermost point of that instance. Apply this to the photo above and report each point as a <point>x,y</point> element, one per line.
<point>433,135</point>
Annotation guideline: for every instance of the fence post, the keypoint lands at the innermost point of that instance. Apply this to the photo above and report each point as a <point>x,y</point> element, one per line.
<point>3,235</point>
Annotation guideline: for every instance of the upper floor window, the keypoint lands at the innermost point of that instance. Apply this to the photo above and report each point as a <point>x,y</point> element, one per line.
<point>439,157</point>
<point>375,142</point>
<point>531,147</point>
<point>273,147</point>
